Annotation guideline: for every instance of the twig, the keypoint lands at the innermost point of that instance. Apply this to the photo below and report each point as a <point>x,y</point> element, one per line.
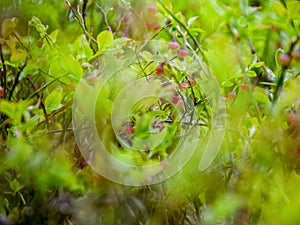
<point>81,23</point>
<point>60,130</point>
<point>105,18</point>
<point>119,25</point>
<point>186,123</point>
<point>44,86</point>
<point>283,71</point>
<point>185,28</point>
<point>253,51</point>
<point>69,222</point>
<point>45,113</point>
<point>16,81</point>
<point>21,42</point>
<point>57,111</point>
<point>4,72</point>
<point>83,13</point>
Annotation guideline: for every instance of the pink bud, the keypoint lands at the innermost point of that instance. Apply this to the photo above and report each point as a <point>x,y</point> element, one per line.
<point>296,55</point>
<point>175,99</point>
<point>129,130</point>
<point>231,95</point>
<point>181,53</point>
<point>91,79</point>
<point>192,81</point>
<point>152,9</point>
<point>155,26</point>
<point>159,69</point>
<point>1,91</point>
<point>184,85</point>
<point>284,59</point>
<point>159,126</point>
<point>173,45</point>
<point>244,86</point>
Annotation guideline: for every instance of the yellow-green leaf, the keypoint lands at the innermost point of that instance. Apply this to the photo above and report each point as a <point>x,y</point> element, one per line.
<point>104,40</point>
<point>251,73</point>
<point>53,100</point>
<point>8,25</point>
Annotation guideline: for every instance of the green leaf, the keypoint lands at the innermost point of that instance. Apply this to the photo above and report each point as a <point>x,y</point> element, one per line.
<point>279,8</point>
<point>166,4</point>
<point>181,17</point>
<point>14,110</point>
<point>267,83</point>
<point>18,56</point>
<point>196,30</point>
<point>192,20</point>
<point>8,108</point>
<point>227,83</point>
<point>251,73</point>
<point>121,41</point>
<point>41,28</point>
<point>15,186</point>
<point>257,65</point>
<point>8,25</point>
<point>72,66</point>
<point>261,96</point>
<point>20,151</point>
<point>104,40</point>
<point>54,35</point>
<point>53,100</point>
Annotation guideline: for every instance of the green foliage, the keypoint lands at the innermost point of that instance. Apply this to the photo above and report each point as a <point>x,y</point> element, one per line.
<point>47,47</point>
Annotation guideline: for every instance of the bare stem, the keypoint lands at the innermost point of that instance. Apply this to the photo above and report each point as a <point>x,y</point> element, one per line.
<point>3,82</point>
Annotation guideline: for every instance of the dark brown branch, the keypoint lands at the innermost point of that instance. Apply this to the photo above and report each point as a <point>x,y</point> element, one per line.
<point>282,73</point>
<point>3,82</point>
<point>16,81</point>
<point>83,13</point>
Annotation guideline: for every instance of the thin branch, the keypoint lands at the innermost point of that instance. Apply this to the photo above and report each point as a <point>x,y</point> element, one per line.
<point>83,13</point>
<point>4,72</point>
<point>253,51</point>
<point>21,42</point>
<point>60,130</point>
<point>282,73</point>
<point>45,114</point>
<point>186,123</point>
<point>56,111</point>
<point>45,85</point>
<point>16,81</point>
<point>61,109</point>
<point>80,20</point>
<point>105,18</point>
<point>185,28</point>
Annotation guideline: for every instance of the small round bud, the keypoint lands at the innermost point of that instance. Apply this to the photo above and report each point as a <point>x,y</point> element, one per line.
<point>173,45</point>
<point>231,95</point>
<point>184,85</point>
<point>244,86</point>
<point>182,53</point>
<point>284,59</point>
